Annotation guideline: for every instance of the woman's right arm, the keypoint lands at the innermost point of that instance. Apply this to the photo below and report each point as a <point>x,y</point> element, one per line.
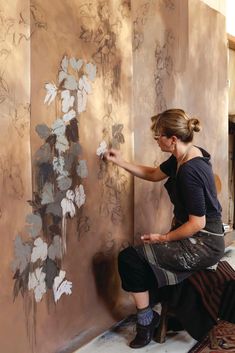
<point>140,171</point>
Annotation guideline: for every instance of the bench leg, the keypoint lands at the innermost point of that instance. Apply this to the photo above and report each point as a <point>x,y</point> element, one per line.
<point>214,344</point>
<point>161,331</point>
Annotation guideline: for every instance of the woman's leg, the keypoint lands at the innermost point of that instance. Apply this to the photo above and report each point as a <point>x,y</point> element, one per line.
<point>141,299</point>
<point>136,277</point>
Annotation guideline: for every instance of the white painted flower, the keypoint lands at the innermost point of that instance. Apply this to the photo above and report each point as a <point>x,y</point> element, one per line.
<point>62,76</point>
<point>67,100</point>
<point>61,144</point>
<point>58,166</point>
<point>81,169</point>
<point>68,116</point>
<point>68,205</point>
<point>58,127</point>
<point>60,286</point>
<point>37,283</point>
<point>83,83</point>
<point>91,71</point>
<point>51,93</point>
<point>70,195</point>
<point>70,83</point>
<point>80,196</point>
<point>76,64</point>
<point>39,250</point>
<point>101,149</point>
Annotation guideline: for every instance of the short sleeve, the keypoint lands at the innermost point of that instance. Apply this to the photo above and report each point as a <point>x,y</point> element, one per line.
<point>169,166</point>
<point>192,190</point>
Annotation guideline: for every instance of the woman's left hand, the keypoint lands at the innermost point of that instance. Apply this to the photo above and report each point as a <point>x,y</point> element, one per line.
<point>154,238</point>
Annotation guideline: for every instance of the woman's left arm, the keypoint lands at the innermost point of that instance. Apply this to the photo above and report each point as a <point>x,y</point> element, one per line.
<point>192,226</point>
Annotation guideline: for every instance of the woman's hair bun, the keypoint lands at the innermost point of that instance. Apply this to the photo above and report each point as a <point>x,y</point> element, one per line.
<point>194,125</point>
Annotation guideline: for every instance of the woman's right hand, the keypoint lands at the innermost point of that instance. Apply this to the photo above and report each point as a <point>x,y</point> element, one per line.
<point>114,156</point>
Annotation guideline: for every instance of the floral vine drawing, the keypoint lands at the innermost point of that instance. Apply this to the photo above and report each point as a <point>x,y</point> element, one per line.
<point>164,68</point>
<point>13,31</point>
<point>104,37</point>
<point>168,4</point>
<point>59,171</point>
<point>138,24</point>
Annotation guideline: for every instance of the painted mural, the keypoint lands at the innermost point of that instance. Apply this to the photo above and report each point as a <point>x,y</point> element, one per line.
<point>60,193</point>
<point>64,165</point>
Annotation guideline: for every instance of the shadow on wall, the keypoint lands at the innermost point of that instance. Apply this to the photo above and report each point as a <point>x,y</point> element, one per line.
<point>107,282</point>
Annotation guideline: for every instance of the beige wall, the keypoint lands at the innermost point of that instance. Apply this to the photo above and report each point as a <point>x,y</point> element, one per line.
<point>218,5</point>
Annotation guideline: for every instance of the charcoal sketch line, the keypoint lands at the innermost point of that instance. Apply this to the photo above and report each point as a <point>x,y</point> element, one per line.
<point>11,177</point>
<point>138,25</point>
<point>163,68</point>
<point>104,36</point>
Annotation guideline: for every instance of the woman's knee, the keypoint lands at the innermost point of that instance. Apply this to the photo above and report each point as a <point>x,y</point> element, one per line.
<point>124,256</point>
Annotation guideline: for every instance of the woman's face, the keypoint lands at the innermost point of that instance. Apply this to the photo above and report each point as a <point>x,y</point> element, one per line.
<point>165,143</point>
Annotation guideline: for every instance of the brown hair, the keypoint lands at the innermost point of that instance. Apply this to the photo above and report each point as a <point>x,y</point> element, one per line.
<point>175,122</point>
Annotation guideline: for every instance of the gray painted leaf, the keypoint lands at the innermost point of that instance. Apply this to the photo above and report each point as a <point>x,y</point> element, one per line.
<point>51,93</point>
<point>69,159</point>
<point>81,169</point>
<point>58,127</point>
<point>84,84</point>
<point>43,131</point>
<point>70,83</point>
<point>54,208</point>
<point>64,183</point>
<point>51,271</point>
<point>62,143</point>
<point>34,224</point>
<point>68,116</point>
<point>62,76</point>
<point>67,100</point>
<point>75,149</point>
<point>22,255</point>
<point>59,196</point>
<point>43,154</point>
<point>55,249</point>
<point>58,165</point>
<point>76,64</point>
<point>47,194</point>
<point>91,70</point>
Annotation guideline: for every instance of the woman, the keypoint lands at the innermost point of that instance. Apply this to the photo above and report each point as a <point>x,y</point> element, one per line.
<point>195,240</point>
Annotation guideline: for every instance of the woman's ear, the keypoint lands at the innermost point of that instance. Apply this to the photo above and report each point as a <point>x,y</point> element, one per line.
<point>174,139</point>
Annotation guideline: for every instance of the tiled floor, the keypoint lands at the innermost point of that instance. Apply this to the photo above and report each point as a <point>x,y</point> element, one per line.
<point>116,340</point>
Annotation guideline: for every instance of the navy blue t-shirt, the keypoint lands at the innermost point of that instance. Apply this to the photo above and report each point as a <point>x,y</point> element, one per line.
<point>192,190</point>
